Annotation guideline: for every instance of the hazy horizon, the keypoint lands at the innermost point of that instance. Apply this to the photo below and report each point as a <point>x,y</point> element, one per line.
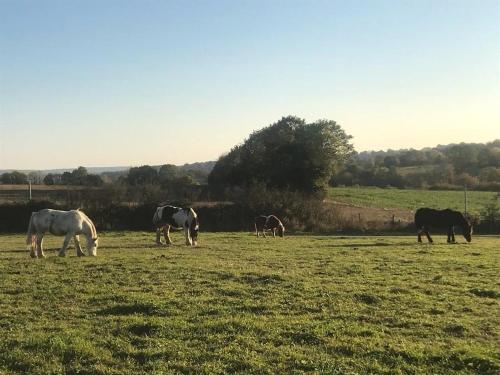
<point>127,83</point>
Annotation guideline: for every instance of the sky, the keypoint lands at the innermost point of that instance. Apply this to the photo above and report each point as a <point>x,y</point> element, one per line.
<point>127,83</point>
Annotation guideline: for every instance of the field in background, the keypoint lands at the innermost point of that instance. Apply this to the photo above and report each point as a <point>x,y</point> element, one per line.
<point>399,199</point>
<point>56,193</point>
<point>319,304</point>
<point>411,199</point>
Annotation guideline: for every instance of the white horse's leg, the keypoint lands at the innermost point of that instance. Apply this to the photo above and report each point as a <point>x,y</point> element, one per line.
<point>188,237</point>
<point>33,251</point>
<point>62,252</point>
<point>79,251</point>
<point>39,244</point>
<point>166,234</point>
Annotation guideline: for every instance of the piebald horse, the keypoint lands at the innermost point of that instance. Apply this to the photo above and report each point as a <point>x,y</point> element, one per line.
<point>61,223</point>
<point>176,217</point>
<point>271,222</point>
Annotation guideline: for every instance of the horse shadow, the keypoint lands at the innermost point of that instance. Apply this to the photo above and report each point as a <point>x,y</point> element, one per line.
<point>371,244</point>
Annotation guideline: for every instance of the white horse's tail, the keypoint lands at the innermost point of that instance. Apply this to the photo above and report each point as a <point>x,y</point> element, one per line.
<point>31,236</point>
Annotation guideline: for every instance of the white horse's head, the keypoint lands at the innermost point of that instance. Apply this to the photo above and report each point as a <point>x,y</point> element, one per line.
<point>281,230</point>
<point>92,243</point>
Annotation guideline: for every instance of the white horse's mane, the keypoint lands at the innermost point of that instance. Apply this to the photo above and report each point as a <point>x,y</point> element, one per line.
<point>87,219</point>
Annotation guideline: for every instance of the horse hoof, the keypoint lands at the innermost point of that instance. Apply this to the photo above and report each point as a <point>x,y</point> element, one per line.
<point>61,254</point>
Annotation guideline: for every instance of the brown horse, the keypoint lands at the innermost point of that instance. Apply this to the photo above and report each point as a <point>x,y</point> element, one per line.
<point>271,222</point>
<point>426,218</point>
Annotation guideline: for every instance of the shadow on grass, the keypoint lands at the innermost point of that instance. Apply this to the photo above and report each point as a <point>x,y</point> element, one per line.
<point>372,244</point>
<point>27,251</point>
<point>248,278</point>
<point>129,309</point>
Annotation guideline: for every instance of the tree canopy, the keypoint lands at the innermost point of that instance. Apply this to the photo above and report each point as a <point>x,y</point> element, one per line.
<point>289,154</point>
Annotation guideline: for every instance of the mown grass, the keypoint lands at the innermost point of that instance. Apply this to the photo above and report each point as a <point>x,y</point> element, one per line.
<point>411,199</point>
<point>302,304</point>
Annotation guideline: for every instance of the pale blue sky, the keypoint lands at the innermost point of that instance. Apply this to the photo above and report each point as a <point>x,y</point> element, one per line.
<point>102,83</point>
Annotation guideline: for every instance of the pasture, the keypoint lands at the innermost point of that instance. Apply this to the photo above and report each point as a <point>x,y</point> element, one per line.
<point>237,303</point>
<point>411,199</point>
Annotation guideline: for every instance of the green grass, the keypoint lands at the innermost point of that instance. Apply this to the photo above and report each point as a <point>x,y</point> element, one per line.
<point>411,199</point>
<point>314,304</point>
<point>404,171</point>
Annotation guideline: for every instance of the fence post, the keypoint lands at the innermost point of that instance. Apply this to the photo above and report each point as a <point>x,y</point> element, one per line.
<point>465,198</point>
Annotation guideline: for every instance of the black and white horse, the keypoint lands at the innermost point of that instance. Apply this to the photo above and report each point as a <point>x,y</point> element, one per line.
<point>271,222</point>
<point>176,217</point>
<point>426,218</point>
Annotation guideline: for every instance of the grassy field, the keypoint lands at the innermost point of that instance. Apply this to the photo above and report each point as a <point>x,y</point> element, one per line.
<point>314,304</point>
<point>411,199</point>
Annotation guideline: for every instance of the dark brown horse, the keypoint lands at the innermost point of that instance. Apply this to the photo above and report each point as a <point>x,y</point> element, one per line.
<point>426,218</point>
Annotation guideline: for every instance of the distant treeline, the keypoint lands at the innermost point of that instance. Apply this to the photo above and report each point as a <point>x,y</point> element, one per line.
<point>444,167</point>
<point>164,175</point>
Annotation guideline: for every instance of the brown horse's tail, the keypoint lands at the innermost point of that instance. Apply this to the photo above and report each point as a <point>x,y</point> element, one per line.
<point>31,236</point>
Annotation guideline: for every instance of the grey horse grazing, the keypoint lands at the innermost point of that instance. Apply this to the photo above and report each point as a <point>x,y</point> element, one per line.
<point>171,216</point>
<point>61,223</point>
<point>271,222</point>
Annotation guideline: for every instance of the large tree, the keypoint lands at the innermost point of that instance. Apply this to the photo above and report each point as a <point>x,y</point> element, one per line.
<point>287,154</point>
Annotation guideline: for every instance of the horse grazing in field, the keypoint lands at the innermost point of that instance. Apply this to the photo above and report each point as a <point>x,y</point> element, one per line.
<point>271,222</point>
<point>426,218</point>
<point>61,223</point>
<point>176,217</point>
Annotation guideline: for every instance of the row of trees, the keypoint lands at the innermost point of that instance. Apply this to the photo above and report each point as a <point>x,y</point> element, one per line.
<point>14,178</point>
<point>476,165</point>
<point>78,176</point>
<point>465,157</point>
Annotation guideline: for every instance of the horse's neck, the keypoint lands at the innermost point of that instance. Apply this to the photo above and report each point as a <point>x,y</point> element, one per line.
<point>88,228</point>
<point>462,221</point>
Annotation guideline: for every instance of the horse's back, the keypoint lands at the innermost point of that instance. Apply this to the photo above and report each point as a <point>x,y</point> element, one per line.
<point>437,218</point>
<point>59,222</point>
<point>273,221</point>
<point>260,221</point>
<point>168,215</point>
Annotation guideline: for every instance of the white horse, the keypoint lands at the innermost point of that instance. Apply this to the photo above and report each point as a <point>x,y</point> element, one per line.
<point>61,223</point>
<point>176,217</point>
